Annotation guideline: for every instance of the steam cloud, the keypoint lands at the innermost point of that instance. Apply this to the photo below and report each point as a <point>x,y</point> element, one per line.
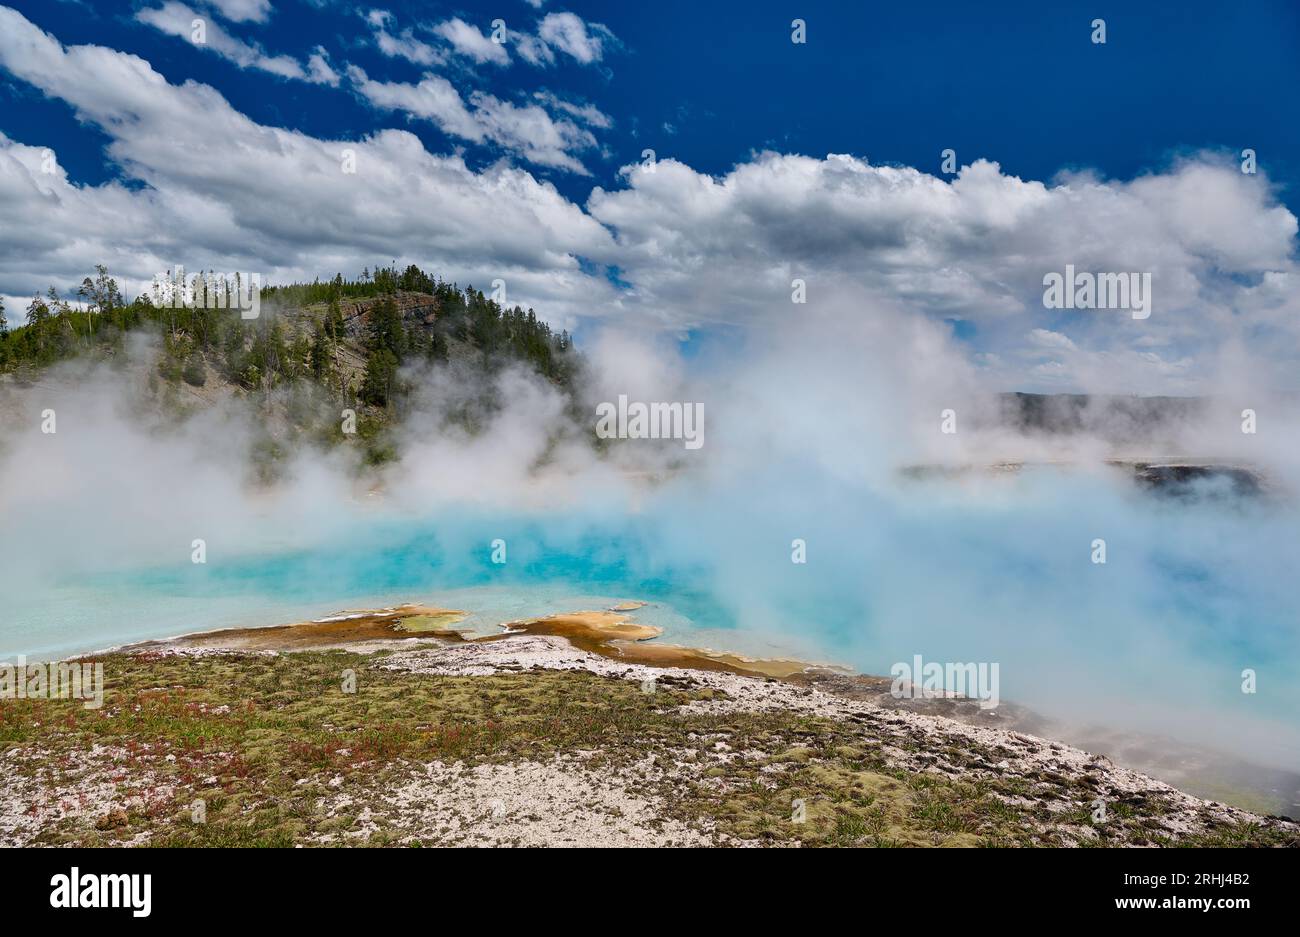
<point>809,423</point>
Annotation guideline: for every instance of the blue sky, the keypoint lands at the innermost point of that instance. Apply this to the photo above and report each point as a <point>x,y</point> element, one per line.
<point>1136,133</point>
<point>891,82</point>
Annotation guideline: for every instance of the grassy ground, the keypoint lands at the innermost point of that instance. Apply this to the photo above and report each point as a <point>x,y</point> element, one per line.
<point>264,740</point>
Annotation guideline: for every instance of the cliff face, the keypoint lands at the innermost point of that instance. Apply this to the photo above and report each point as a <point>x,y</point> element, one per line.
<point>419,314</point>
<point>418,311</point>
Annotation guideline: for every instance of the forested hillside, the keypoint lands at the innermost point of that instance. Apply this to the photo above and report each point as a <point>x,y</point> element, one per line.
<point>341,343</point>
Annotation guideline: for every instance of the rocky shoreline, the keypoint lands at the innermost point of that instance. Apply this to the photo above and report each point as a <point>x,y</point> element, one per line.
<point>567,730</point>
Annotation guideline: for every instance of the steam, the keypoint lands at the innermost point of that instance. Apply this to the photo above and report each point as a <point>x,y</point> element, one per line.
<point>809,422</point>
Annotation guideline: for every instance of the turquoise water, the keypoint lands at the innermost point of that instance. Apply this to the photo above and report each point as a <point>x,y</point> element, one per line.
<point>1156,639</point>
<point>395,563</point>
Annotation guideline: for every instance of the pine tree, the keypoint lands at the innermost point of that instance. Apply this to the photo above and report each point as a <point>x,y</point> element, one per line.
<point>386,332</point>
<point>334,320</point>
<point>322,354</point>
<point>194,373</point>
<point>377,386</point>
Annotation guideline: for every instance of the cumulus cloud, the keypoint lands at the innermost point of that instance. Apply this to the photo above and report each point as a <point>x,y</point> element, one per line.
<point>241,11</point>
<point>177,19</point>
<point>528,131</point>
<point>588,114</point>
<point>319,70</point>
<point>1046,338</point>
<point>468,41</point>
<point>434,98</point>
<point>266,200</point>
<point>584,42</point>
<point>968,252</point>
<point>404,45</point>
<point>531,49</point>
<point>974,248</point>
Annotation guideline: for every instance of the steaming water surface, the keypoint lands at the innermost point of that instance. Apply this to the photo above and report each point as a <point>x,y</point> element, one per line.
<point>1156,639</point>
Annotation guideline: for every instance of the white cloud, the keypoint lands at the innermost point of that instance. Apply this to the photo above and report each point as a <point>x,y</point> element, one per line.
<point>531,49</point>
<point>568,33</point>
<point>469,42</point>
<point>241,11</point>
<point>404,45</point>
<point>319,70</point>
<point>434,99</point>
<point>725,249</point>
<point>586,43</point>
<point>889,242</point>
<point>532,133</point>
<point>589,114</point>
<point>528,131</point>
<point>226,193</point>
<point>1045,338</point>
<point>177,19</point>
